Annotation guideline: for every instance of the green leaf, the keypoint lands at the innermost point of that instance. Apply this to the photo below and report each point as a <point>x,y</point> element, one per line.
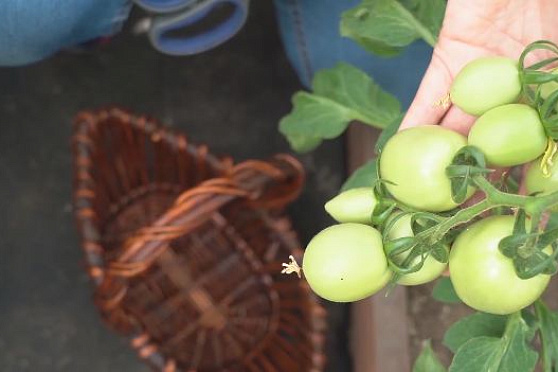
<point>301,143</point>
<point>340,95</point>
<point>387,133</point>
<point>460,188</point>
<point>397,246</point>
<point>385,27</point>
<point>532,322</point>
<point>364,176</point>
<point>468,161</point>
<point>538,262</point>
<point>440,253</point>
<point>427,361</point>
<point>549,236</point>
<point>478,354</point>
<point>510,353</point>
<point>444,292</point>
<point>509,245</point>
<point>549,335</point>
<point>383,209</point>
<point>476,325</point>
<point>519,223</point>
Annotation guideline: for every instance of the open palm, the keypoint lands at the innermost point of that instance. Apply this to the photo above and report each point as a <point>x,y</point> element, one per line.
<point>472,29</point>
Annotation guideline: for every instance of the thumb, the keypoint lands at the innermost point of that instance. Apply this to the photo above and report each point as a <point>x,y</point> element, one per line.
<point>428,106</point>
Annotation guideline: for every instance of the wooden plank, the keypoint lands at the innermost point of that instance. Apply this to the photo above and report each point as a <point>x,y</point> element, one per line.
<point>379,327</point>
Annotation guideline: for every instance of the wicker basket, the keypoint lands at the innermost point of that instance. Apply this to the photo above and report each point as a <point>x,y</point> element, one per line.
<point>185,250</point>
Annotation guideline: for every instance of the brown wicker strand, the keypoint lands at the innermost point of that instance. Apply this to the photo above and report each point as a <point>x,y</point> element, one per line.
<point>185,249</point>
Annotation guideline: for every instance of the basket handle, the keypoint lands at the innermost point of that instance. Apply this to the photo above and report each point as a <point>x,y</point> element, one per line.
<point>267,185</point>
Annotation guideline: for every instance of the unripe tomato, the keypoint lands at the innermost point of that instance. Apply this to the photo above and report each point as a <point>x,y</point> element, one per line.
<point>536,182</point>
<point>486,83</point>
<point>483,277</point>
<point>355,205</point>
<point>415,161</point>
<point>430,270</point>
<point>509,135</point>
<point>346,263</point>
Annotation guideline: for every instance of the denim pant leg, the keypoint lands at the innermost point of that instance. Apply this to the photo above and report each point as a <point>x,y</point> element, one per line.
<point>310,33</point>
<point>31,30</point>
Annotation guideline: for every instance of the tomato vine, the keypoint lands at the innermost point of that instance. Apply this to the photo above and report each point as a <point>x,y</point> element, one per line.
<point>392,228</point>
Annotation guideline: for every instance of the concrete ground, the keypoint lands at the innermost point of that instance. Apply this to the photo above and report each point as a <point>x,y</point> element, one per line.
<point>231,98</point>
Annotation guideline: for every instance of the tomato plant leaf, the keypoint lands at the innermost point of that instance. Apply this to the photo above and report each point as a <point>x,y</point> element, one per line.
<point>476,355</point>
<point>397,246</point>
<point>509,245</point>
<point>532,322</point>
<point>459,188</point>
<point>549,335</point>
<point>422,221</point>
<point>444,292</point>
<point>476,325</point>
<point>548,112</point>
<point>341,94</point>
<point>519,223</point>
<point>510,353</point>
<point>440,253</point>
<point>467,162</point>
<point>549,236</point>
<point>302,143</point>
<point>383,209</point>
<point>427,361</point>
<point>384,27</point>
<point>470,155</point>
<point>537,263</point>
<point>364,176</point>
<point>387,133</point>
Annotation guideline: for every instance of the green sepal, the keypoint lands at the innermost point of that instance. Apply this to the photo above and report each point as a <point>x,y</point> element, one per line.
<point>467,162</point>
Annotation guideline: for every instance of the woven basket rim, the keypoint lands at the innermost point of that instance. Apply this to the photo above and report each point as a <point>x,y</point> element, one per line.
<point>281,168</point>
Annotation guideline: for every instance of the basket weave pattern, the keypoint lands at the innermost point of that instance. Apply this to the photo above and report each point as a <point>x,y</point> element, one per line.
<point>185,249</point>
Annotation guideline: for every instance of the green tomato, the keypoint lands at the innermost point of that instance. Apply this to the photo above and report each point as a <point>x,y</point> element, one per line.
<point>431,268</point>
<point>355,205</point>
<point>509,135</point>
<point>483,277</point>
<point>414,161</point>
<point>486,83</point>
<point>346,263</point>
<point>536,182</point>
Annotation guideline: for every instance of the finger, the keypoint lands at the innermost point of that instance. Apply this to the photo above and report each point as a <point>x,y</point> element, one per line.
<point>427,107</point>
<point>458,120</point>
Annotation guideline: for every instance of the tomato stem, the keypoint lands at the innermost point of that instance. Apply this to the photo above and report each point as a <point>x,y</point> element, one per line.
<point>436,233</point>
<point>533,205</point>
<point>498,197</point>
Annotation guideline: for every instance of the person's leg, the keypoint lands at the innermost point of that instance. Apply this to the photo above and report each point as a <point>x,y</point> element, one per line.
<point>310,33</point>
<point>31,30</point>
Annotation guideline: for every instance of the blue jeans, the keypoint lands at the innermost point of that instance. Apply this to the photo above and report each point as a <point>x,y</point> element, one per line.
<point>31,30</point>
<point>310,33</point>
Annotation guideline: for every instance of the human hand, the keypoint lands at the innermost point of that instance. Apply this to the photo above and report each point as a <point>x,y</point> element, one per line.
<point>473,29</point>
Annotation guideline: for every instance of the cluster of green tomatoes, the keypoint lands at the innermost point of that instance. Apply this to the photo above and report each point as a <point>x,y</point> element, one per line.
<point>409,227</point>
